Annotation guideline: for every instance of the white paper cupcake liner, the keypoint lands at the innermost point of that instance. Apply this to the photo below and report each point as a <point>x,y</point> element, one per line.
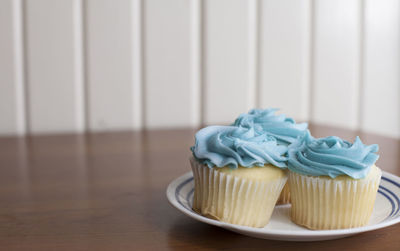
<point>231,199</point>
<point>324,203</point>
<point>284,197</point>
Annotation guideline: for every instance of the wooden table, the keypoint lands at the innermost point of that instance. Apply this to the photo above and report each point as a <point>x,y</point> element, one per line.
<point>106,191</point>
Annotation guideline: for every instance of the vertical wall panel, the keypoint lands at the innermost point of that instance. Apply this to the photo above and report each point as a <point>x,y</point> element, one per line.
<point>284,54</point>
<point>227,49</point>
<point>336,62</point>
<point>168,86</point>
<point>111,39</point>
<point>12,114</point>
<point>54,68</point>
<point>196,56</point>
<point>381,93</point>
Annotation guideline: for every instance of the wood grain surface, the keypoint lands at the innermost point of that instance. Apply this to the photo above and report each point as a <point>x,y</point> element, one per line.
<point>106,191</point>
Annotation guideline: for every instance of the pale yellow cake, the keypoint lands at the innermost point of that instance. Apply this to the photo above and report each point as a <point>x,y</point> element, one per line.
<point>242,196</point>
<point>321,202</point>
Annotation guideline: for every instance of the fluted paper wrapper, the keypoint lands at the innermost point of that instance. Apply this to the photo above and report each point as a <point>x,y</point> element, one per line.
<point>231,199</point>
<point>284,197</point>
<point>324,203</point>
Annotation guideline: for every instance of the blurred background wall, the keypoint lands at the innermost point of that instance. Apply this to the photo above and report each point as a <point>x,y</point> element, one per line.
<point>96,65</point>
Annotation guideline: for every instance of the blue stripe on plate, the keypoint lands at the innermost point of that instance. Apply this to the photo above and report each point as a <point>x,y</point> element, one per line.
<point>394,196</point>
<point>391,181</point>
<point>178,190</point>
<point>389,199</point>
<point>189,194</point>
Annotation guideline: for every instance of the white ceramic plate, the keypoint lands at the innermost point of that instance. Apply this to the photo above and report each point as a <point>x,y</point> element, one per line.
<point>386,212</point>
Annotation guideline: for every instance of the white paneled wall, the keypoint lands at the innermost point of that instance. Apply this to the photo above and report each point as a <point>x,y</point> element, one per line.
<point>335,59</point>
<point>113,78</point>
<point>381,66</point>
<point>54,79</point>
<point>12,103</point>
<point>228,86</point>
<point>284,56</point>
<point>168,100</point>
<point>129,64</point>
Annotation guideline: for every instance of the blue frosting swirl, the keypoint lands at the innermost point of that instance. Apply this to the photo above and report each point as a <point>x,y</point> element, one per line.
<point>331,156</point>
<point>237,146</point>
<point>284,129</point>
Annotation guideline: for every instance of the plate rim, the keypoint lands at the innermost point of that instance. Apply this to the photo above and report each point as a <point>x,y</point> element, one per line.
<point>170,192</point>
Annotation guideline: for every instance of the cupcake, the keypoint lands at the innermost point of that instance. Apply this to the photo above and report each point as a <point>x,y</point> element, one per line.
<point>284,129</point>
<point>333,182</point>
<point>238,174</point>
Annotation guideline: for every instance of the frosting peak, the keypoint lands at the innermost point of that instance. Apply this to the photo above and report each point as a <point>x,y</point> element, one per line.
<point>284,129</point>
<point>331,156</point>
<point>233,146</point>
